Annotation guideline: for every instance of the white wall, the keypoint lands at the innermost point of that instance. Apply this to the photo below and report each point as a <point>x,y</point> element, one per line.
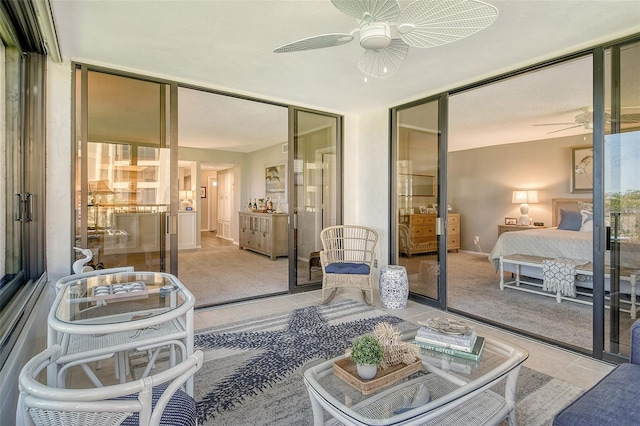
<point>481,181</point>
<point>366,177</point>
<point>59,232</point>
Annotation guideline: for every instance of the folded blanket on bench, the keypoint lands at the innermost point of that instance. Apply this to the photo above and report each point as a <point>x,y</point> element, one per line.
<point>558,275</point>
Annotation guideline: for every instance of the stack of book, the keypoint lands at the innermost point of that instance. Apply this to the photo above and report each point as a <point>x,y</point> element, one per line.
<point>460,341</point>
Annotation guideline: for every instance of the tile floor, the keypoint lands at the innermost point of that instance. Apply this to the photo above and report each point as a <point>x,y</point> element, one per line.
<point>578,370</point>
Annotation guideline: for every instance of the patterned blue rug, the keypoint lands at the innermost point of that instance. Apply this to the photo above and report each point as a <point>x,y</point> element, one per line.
<point>253,370</point>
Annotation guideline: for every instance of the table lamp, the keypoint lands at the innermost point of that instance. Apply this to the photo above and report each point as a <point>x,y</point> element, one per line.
<point>523,198</point>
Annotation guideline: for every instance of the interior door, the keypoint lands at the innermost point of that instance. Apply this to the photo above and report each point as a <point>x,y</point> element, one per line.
<point>417,223</point>
<point>622,193</point>
<point>315,189</point>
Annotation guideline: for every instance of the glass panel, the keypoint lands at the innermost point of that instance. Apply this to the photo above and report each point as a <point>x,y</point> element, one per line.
<point>508,138</point>
<point>234,148</point>
<point>122,173</point>
<point>622,196</point>
<point>315,186</point>
<point>417,197</point>
<point>11,262</point>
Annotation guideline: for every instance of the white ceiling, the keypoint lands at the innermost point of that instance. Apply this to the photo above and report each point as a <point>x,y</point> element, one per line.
<point>228,45</point>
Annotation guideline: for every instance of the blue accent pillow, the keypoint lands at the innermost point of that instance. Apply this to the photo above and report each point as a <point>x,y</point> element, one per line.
<point>180,411</point>
<point>348,268</point>
<point>570,220</point>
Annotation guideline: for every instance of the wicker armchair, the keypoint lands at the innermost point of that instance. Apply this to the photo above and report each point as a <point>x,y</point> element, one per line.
<point>153,400</point>
<point>347,259</point>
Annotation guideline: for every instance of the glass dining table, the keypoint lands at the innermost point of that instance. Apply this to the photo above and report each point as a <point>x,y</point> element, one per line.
<point>94,318</point>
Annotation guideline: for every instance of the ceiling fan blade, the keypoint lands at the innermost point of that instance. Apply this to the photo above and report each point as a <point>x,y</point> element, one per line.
<point>429,23</point>
<point>385,62</point>
<point>566,128</point>
<point>369,10</point>
<point>315,42</point>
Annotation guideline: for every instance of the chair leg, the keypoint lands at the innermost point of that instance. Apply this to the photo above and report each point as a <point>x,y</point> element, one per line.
<point>328,299</point>
<point>369,300</point>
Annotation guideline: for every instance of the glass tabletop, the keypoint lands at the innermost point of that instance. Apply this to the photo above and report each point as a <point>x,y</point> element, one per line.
<point>119,297</point>
<point>447,378</point>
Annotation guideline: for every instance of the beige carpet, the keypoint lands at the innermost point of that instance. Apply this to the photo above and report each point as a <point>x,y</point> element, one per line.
<point>221,272</point>
<point>473,288</point>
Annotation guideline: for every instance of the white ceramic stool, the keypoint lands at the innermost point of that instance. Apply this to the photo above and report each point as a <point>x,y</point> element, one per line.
<point>394,287</point>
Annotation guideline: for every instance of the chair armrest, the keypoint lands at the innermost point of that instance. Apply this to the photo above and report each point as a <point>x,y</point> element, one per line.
<point>635,343</point>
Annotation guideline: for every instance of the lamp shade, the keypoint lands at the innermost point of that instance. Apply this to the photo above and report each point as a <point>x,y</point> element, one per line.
<point>524,197</point>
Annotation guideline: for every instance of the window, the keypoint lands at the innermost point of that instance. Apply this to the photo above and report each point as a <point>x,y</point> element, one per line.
<point>22,113</point>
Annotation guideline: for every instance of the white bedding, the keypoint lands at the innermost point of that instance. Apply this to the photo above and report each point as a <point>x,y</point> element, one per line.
<point>555,243</point>
<point>547,242</point>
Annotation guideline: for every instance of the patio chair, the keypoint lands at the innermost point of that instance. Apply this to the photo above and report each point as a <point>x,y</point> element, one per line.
<point>347,259</point>
<point>154,400</point>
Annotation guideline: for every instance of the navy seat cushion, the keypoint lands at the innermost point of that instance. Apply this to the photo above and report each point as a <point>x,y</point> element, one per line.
<point>180,411</point>
<point>570,220</point>
<point>610,402</point>
<point>347,268</point>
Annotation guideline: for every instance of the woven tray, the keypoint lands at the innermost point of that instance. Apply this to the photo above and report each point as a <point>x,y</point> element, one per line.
<point>346,370</point>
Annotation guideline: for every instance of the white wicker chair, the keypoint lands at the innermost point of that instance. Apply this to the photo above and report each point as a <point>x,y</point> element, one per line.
<point>153,400</point>
<point>347,259</point>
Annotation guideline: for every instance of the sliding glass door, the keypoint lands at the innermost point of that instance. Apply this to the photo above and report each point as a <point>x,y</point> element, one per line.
<point>621,193</point>
<point>420,225</point>
<point>315,182</point>
<point>123,169</point>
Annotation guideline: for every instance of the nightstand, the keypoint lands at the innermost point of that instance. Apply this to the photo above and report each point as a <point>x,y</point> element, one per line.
<point>511,228</point>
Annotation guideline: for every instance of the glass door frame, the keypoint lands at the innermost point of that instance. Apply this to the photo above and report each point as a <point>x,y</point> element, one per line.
<point>292,198</point>
<point>441,191</point>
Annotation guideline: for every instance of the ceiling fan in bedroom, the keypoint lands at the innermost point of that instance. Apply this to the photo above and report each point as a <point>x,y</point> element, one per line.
<point>386,33</point>
<point>585,119</point>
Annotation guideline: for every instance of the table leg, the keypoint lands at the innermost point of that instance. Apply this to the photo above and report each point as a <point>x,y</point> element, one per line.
<point>633,280</point>
<point>510,394</point>
<point>318,411</point>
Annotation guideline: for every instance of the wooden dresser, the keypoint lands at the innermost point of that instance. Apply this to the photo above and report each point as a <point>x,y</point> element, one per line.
<point>264,233</point>
<point>418,233</point>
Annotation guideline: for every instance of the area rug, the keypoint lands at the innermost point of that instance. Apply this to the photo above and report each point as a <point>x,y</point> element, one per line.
<point>253,371</point>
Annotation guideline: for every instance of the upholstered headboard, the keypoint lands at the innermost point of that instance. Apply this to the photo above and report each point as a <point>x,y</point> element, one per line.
<point>565,204</point>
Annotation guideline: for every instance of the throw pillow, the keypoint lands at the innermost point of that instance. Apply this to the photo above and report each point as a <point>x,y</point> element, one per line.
<point>587,221</point>
<point>570,220</point>
<point>588,207</point>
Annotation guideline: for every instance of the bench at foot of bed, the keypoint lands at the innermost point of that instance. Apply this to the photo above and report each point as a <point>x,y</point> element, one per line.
<point>520,260</point>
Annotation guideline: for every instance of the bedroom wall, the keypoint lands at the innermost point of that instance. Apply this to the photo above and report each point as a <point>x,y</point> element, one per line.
<point>480,183</point>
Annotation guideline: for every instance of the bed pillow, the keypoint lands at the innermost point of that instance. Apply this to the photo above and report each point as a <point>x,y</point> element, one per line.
<point>588,207</point>
<point>570,220</point>
<point>587,221</point>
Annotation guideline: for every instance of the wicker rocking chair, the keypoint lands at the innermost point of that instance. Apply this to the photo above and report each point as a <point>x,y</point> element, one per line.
<point>347,259</point>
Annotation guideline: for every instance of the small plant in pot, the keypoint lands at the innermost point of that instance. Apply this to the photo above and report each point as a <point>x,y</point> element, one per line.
<point>367,353</point>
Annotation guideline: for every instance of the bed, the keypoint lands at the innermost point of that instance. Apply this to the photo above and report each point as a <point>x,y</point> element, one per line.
<point>525,253</point>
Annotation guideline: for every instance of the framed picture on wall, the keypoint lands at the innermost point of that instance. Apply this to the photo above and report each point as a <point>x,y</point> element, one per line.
<point>275,179</point>
<point>203,192</point>
<point>582,169</point>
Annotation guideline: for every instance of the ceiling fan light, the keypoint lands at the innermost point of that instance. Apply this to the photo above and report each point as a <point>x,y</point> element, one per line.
<point>374,36</point>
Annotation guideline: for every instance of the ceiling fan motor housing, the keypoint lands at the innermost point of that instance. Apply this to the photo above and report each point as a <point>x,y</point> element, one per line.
<point>375,35</point>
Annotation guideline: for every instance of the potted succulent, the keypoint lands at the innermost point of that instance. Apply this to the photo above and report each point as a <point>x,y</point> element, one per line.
<point>367,353</point>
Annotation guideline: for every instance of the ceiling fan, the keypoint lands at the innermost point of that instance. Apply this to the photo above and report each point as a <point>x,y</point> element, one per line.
<point>585,119</point>
<point>386,33</point>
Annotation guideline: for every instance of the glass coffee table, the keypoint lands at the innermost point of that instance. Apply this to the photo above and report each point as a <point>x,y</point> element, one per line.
<point>462,391</point>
